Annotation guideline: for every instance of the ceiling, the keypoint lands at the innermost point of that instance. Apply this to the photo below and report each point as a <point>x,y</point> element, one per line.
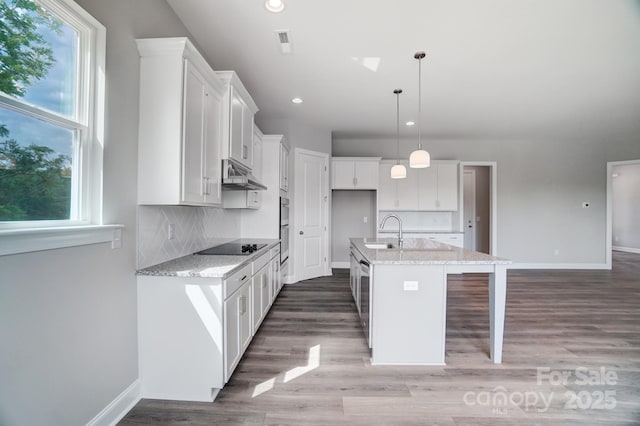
<point>494,68</point>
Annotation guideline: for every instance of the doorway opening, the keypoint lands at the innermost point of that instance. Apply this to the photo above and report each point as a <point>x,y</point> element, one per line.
<point>623,207</point>
<point>478,204</point>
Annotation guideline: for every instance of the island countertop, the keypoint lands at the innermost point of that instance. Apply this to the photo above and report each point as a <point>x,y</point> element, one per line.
<point>423,251</point>
<point>206,266</point>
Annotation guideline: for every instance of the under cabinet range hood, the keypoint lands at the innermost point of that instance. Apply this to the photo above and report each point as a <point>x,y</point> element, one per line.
<point>237,177</point>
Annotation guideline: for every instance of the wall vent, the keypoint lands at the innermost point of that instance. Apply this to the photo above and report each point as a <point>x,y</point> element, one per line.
<point>284,41</point>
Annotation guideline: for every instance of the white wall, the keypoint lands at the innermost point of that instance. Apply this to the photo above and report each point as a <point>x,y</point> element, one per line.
<point>541,186</point>
<point>68,316</point>
<point>625,198</point>
<point>348,210</point>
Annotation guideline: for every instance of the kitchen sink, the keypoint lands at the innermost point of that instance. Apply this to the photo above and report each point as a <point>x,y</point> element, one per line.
<point>379,246</point>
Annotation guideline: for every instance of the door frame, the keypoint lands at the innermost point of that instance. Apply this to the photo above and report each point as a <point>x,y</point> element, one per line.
<point>475,227</point>
<point>325,211</point>
<point>493,200</point>
<point>609,236</point>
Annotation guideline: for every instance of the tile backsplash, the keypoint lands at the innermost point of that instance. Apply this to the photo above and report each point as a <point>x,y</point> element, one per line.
<point>195,228</point>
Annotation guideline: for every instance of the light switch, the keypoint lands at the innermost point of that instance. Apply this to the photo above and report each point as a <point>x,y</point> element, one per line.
<point>411,286</point>
<point>365,219</point>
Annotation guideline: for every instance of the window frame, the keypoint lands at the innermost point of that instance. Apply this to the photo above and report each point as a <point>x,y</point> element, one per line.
<point>86,223</point>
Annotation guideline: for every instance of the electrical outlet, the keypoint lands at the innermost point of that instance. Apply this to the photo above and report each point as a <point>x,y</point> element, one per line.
<point>171,231</point>
<point>116,240</point>
<point>365,219</point>
<point>556,252</point>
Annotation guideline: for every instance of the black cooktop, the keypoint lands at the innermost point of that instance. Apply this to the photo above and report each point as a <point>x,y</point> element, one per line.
<point>238,247</point>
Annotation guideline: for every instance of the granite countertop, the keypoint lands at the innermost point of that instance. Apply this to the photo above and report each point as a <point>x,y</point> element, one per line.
<point>207,266</point>
<point>416,231</point>
<point>423,251</point>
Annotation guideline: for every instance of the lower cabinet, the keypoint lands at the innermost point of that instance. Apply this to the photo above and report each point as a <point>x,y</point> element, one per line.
<point>238,327</point>
<point>192,331</point>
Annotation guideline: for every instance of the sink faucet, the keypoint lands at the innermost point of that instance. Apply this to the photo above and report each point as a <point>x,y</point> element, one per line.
<point>384,220</point>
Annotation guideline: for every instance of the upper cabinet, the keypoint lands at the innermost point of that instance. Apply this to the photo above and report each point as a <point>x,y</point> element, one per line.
<point>257,153</point>
<point>284,167</point>
<point>237,114</point>
<point>397,194</point>
<point>180,127</point>
<point>438,187</point>
<point>355,172</point>
<point>434,188</point>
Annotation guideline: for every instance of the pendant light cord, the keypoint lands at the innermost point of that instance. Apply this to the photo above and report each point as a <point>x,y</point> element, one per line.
<point>397,92</point>
<point>420,103</point>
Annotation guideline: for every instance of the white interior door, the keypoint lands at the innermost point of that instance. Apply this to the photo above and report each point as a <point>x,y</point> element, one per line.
<point>469,201</point>
<point>310,205</point>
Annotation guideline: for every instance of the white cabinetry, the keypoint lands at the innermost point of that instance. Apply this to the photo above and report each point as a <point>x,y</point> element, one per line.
<point>242,199</point>
<point>432,189</point>
<point>257,153</point>
<point>237,316</point>
<point>284,167</point>
<point>397,194</point>
<point>238,112</point>
<point>193,331</point>
<point>179,126</point>
<point>438,187</point>
<point>355,172</point>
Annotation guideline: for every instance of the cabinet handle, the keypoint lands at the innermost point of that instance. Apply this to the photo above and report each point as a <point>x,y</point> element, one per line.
<point>242,304</point>
<point>244,152</point>
<point>243,278</point>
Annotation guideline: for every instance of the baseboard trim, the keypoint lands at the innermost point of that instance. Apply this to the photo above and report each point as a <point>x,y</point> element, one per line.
<point>340,265</point>
<point>626,249</point>
<point>119,407</point>
<point>559,266</point>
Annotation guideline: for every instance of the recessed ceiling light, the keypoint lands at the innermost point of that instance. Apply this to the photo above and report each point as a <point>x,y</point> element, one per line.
<point>410,123</point>
<point>296,100</point>
<point>275,6</point>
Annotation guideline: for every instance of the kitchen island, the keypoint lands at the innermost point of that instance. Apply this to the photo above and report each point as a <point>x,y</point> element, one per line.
<point>401,294</point>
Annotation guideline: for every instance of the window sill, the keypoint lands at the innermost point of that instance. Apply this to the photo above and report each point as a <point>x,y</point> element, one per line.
<point>13,241</point>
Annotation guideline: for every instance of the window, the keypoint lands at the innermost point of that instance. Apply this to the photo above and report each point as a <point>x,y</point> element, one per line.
<point>51,114</point>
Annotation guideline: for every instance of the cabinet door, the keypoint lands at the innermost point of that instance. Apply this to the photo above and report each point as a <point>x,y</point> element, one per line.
<point>366,174</point>
<point>233,308</point>
<point>397,194</point>
<point>212,146</point>
<point>256,302</point>
<point>343,175</point>
<point>447,187</point>
<point>192,143</point>
<point>427,188</point>
<point>265,289</point>
<point>245,318</point>
<point>257,154</point>
<point>386,188</point>
<point>236,126</point>
<point>408,191</point>
<point>247,136</point>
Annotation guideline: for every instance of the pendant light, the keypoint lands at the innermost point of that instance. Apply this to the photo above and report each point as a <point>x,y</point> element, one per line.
<point>398,171</point>
<point>419,158</point>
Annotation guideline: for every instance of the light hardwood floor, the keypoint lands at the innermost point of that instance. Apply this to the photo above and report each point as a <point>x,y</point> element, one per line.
<point>574,323</point>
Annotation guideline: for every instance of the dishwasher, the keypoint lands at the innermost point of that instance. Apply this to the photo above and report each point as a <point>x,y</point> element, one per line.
<point>365,291</point>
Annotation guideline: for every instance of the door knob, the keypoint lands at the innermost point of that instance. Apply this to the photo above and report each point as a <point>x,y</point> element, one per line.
<point>301,232</point>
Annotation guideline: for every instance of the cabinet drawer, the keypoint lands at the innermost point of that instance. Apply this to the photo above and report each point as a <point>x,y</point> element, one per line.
<point>236,281</point>
<point>274,252</point>
<point>260,262</point>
